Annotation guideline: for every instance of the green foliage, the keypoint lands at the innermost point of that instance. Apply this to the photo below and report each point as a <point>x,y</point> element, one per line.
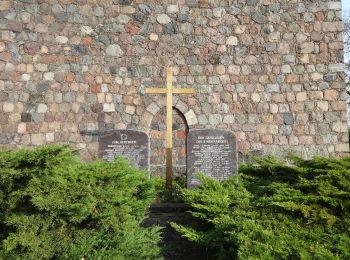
<point>52,205</point>
<point>169,195</point>
<point>272,210</point>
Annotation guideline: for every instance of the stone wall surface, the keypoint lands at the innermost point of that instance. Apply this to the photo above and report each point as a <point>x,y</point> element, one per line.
<point>269,70</point>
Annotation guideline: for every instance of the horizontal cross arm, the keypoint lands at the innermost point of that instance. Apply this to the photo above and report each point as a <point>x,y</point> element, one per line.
<point>183,91</point>
<point>155,90</point>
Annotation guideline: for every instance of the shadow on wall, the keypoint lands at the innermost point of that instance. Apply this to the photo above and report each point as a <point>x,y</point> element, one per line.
<point>158,142</point>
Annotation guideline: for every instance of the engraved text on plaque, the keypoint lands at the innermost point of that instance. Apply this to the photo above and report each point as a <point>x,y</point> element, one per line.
<point>211,152</point>
<point>131,144</point>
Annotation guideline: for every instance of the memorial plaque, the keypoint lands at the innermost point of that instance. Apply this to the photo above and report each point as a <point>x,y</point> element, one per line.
<point>211,152</point>
<point>131,144</point>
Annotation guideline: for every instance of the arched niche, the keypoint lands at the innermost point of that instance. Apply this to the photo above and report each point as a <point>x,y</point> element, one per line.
<point>157,134</point>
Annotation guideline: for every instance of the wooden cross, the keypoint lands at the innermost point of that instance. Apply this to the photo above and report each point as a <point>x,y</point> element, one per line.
<point>169,91</point>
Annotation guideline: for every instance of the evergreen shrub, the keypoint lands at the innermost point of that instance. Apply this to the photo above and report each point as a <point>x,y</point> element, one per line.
<point>274,210</point>
<point>52,205</point>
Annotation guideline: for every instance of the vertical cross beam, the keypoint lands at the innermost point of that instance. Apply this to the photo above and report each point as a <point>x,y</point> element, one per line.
<point>169,129</point>
<point>169,91</point>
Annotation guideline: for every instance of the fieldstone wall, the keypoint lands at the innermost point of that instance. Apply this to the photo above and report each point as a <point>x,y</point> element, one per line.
<point>269,70</point>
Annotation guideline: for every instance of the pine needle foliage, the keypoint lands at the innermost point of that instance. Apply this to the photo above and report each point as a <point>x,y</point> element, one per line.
<point>274,210</point>
<point>53,206</point>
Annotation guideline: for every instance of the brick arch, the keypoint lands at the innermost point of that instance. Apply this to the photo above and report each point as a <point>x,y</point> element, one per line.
<point>152,109</point>
<point>155,125</point>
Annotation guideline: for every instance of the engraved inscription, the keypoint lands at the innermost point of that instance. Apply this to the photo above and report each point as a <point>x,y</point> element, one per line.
<point>131,144</point>
<point>211,152</point>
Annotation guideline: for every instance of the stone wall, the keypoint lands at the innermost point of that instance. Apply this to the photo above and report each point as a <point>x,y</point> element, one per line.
<point>269,70</point>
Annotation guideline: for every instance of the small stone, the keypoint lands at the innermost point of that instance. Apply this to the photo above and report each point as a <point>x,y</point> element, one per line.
<point>267,129</point>
<point>163,19</point>
<point>337,67</point>
<point>114,50</point>
<point>234,10</point>
<point>41,28</point>
<point>8,107</point>
<point>97,108</point>
<point>240,29</point>
<point>289,58</point>
<point>43,86</point>
<point>219,12</point>
<point>37,139</point>
<point>80,49</point>
<point>146,29</point>
<point>60,76</point>
<point>273,108</point>
<point>172,9</point>
<point>31,47</point>
<point>5,56</point>
<point>42,108</point>
<point>125,2</point>
<point>49,76</point>
<point>21,128</point>
<point>40,67</point>
<point>215,119</point>
<point>270,46</point>
<point>86,30</point>
<point>288,118</point>
<point>191,118</point>
<point>26,117</point>
<point>286,69</point>
<point>130,110</point>
<point>104,39</point>
<point>340,127</point>
<point>329,78</point>
<point>153,108</point>
<point>129,9</point>
<point>255,97</point>
<point>25,77</point>
<point>50,137</point>
<point>15,26</point>
<point>272,88</point>
<point>334,5</point>
<point>285,130</point>
<point>229,119</point>
<point>123,19</point>
<point>323,105</point>
<point>316,76</point>
<point>307,47</point>
<point>342,148</point>
<point>186,28</point>
<point>108,107</point>
<point>170,28</point>
<point>69,97</point>
<point>5,5</point>
<point>182,17</point>
<point>259,18</point>
<point>99,12</point>
<point>62,39</point>
<point>132,28</point>
<point>153,37</point>
<point>232,40</point>
<point>144,9</point>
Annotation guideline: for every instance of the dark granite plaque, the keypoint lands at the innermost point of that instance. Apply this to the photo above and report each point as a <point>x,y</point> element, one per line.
<point>131,144</point>
<point>211,152</point>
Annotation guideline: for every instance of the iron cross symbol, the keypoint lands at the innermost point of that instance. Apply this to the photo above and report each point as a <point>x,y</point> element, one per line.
<point>169,91</point>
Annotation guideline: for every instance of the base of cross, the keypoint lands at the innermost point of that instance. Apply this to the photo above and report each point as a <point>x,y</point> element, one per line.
<point>169,168</point>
